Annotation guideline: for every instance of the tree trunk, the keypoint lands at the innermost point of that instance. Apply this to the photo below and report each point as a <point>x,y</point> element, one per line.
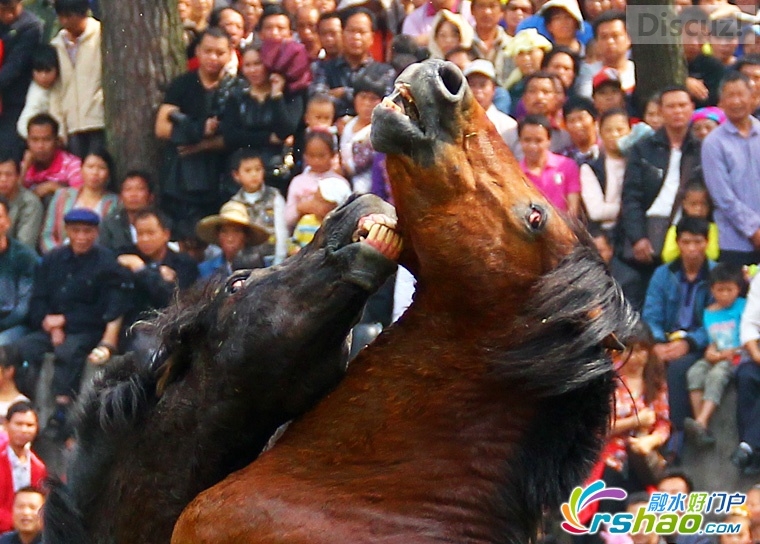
<point>143,51</point>
<point>658,65</point>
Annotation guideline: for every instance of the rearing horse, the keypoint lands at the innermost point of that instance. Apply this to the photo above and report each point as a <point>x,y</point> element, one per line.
<point>486,403</point>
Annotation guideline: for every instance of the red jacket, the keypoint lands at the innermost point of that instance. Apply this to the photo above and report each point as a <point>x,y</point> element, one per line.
<point>39,473</point>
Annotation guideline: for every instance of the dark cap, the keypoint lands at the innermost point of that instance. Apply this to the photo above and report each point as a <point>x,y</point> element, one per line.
<point>82,215</point>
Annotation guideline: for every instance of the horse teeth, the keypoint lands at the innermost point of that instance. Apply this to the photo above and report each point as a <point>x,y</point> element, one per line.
<point>373,232</point>
<point>388,103</point>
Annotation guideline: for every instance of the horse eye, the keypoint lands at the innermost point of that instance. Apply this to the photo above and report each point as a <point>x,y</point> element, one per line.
<point>237,281</point>
<point>536,217</point>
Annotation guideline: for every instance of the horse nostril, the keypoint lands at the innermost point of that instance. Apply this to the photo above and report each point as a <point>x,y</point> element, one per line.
<point>452,78</point>
<point>536,217</point>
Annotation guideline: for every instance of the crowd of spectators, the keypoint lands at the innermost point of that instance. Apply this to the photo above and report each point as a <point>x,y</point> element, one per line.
<point>268,130</point>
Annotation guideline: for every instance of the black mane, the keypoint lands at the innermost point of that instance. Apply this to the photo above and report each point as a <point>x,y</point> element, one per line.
<point>574,310</point>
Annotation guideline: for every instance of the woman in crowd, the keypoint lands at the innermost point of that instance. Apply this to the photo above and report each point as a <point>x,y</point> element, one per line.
<point>447,32</point>
<point>564,63</point>
<point>261,116</point>
<point>93,194</point>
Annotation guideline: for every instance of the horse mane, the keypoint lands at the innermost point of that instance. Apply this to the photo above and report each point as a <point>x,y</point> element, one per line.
<point>562,362</point>
<point>64,521</point>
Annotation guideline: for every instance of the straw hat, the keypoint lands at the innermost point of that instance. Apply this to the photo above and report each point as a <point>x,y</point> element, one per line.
<point>231,213</point>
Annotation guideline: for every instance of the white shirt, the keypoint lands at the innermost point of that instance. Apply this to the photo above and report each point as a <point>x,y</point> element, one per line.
<point>603,206</point>
<point>21,471</point>
<point>503,122</point>
<point>663,204</point>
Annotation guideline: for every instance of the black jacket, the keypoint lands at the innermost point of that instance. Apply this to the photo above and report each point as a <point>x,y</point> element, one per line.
<point>19,41</point>
<point>645,173</point>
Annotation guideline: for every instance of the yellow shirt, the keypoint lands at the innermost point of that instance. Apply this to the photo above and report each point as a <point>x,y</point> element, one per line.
<point>670,251</point>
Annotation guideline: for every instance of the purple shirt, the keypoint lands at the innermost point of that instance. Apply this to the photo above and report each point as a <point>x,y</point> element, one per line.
<point>731,166</point>
<point>559,178</point>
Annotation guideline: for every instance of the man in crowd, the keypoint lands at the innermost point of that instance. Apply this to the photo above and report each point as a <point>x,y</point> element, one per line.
<point>659,166</point>
<point>189,120</point>
<point>674,307</point>
<point>275,24</point>
<point>19,466</point>
<point>330,31</point>
<point>232,23</point>
<point>17,263</point>
<point>77,100</point>
<point>117,231</point>
<point>481,77</point>
<point>78,298</point>
<point>612,45</point>
<point>251,10</point>
<point>20,33</point>
<point>307,18</point>
<point>336,77</point>
<point>490,39</point>
<point>731,170</point>
<point>750,67</point>
<point>24,208</point>
<point>26,517</point>
<point>50,166</point>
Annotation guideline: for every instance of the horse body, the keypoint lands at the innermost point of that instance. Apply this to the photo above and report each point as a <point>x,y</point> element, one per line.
<point>488,400</point>
<point>233,366</point>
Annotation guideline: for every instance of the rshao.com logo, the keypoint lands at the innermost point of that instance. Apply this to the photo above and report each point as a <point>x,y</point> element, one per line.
<point>665,514</point>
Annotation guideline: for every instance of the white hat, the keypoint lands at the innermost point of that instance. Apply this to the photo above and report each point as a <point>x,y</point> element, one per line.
<point>334,190</point>
<point>480,66</point>
<point>570,6</point>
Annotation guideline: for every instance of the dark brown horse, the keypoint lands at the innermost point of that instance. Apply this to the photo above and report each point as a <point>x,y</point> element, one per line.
<point>234,364</point>
<point>488,401</point>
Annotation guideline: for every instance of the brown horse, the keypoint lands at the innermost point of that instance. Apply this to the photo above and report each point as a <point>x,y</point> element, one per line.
<point>487,402</point>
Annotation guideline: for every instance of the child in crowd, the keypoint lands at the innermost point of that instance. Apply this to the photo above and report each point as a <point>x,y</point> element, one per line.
<point>332,193</point>
<point>708,377</point>
<point>652,121</point>
<point>10,360</point>
<point>695,203</point>
<point>44,77</point>
<point>265,205</point>
<point>320,115</point>
<point>319,151</point>
<point>356,151</point>
<point>737,516</point>
<point>753,508</point>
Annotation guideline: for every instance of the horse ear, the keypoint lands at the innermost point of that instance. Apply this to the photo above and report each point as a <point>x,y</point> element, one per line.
<point>167,373</point>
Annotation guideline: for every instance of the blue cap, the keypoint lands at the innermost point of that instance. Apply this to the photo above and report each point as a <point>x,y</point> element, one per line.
<point>82,215</point>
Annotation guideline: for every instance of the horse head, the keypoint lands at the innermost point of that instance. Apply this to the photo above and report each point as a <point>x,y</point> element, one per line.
<point>453,178</point>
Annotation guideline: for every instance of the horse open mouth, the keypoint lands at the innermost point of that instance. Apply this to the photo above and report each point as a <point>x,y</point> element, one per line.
<point>379,232</point>
<point>402,101</point>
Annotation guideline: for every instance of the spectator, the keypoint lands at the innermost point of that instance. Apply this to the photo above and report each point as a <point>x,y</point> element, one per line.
<point>641,414</point>
<point>189,119</point>
<point>753,507</point>
<point>602,178</point>
<point>307,18</point>
<point>19,466</point>
<point>17,263</point>
<point>234,232</point>
<point>330,31</point>
<point>231,22</point>
<point>565,64</point>
<point>515,12</point>
<point>356,151</point>
<point>49,167</point>
<point>45,72</point>
<point>539,22</point>
<point>612,46</point>
<point>652,113</point>
<point>563,20</point>
<point>746,456</point>
<point>417,24</point>
<point>674,308</point>
<point>525,53</point>
<point>117,229</point>
<point>332,193</point>
<point>10,362</point>
<point>275,24</point>
<point>78,101</point>
<point>658,167</point>
<point>490,40</point>
<point>336,77</point>
<point>20,33</point>
<point>320,148</point>
<point>695,203</point>
<point>93,195</point>
<point>750,67</point>
<point>447,32</point>
<point>543,96</point>
<point>580,120</point>
<point>607,92</point>
<point>261,117</point>
<point>78,299</point>
<point>251,10</point>
<point>674,482</point>
<point>27,517</point>
<point>265,205</point>
<point>481,77</point>
<point>554,175</point>
<point>729,170</point>
<point>636,502</point>
<point>724,39</point>
<point>705,120</point>
<point>708,377</point>
<point>25,209</point>
<point>156,271</point>
<point>737,517</point>
<point>704,71</point>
